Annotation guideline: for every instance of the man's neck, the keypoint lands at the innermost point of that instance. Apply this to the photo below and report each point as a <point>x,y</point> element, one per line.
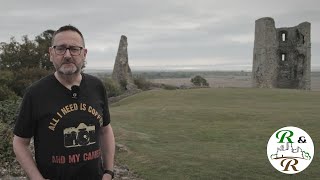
<point>69,80</point>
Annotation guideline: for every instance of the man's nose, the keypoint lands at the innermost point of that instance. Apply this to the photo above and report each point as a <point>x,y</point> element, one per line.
<point>67,53</point>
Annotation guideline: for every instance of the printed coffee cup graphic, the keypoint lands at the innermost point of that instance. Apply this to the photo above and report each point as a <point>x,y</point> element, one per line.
<point>290,150</point>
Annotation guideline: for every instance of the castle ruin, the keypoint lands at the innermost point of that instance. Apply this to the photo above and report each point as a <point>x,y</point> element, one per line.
<point>281,56</point>
<point>121,70</point>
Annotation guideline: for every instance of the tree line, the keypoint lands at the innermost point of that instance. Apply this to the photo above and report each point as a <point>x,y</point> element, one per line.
<point>22,63</point>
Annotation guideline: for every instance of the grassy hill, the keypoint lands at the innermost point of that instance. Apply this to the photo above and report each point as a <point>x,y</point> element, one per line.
<point>211,133</point>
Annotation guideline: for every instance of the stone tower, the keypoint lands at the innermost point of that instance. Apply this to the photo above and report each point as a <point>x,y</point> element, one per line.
<point>281,56</point>
<point>121,70</point>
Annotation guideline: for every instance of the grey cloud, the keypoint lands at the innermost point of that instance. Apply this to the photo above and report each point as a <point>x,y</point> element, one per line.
<point>166,30</point>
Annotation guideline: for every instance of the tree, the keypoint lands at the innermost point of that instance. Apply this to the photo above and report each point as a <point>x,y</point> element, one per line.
<point>44,42</point>
<point>22,63</point>
<point>28,54</point>
<point>9,54</point>
<point>199,81</point>
<point>15,55</point>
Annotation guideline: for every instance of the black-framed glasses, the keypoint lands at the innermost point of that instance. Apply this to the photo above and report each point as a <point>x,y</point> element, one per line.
<point>74,50</point>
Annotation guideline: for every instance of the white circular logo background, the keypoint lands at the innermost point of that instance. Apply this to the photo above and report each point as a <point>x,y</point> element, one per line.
<point>290,150</point>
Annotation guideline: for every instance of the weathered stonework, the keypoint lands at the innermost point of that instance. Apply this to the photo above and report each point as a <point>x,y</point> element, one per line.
<point>121,71</point>
<point>281,56</point>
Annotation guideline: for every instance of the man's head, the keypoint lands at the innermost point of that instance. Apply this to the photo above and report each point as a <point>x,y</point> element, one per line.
<point>67,28</point>
<point>68,52</point>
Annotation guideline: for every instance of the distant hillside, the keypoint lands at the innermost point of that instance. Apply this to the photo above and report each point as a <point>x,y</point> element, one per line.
<point>180,74</point>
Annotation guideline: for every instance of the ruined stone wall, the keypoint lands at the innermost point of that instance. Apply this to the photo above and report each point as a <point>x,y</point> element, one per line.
<point>264,54</point>
<point>121,70</point>
<point>282,56</point>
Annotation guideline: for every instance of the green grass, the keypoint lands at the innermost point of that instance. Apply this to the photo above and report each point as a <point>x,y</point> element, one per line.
<point>211,133</point>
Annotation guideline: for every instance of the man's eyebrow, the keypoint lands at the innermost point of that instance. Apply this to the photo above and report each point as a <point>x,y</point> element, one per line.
<point>61,45</point>
<point>66,45</point>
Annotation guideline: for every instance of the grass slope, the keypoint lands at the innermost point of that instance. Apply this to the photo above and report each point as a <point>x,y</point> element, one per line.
<point>211,133</point>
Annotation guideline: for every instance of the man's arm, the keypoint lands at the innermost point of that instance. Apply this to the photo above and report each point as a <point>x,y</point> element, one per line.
<point>24,157</point>
<point>107,147</point>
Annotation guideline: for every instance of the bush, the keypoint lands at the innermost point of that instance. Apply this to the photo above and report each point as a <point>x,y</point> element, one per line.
<point>8,114</point>
<point>9,110</point>
<point>123,84</point>
<point>112,87</point>
<point>6,93</point>
<point>25,77</point>
<point>6,156</point>
<point>142,83</point>
<point>168,87</point>
<point>199,81</point>
<point>6,77</point>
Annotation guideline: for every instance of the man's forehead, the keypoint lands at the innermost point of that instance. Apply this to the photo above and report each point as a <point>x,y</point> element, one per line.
<point>67,37</point>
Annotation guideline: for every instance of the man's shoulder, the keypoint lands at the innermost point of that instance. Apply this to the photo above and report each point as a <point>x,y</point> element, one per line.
<point>42,84</point>
<point>91,78</point>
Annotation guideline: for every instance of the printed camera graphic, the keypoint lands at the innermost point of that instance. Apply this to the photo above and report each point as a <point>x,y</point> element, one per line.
<point>82,135</point>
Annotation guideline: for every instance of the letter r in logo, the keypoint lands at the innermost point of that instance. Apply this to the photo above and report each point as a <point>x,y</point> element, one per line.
<point>286,134</point>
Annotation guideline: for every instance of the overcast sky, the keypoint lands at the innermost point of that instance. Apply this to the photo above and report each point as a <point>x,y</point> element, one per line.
<point>163,34</point>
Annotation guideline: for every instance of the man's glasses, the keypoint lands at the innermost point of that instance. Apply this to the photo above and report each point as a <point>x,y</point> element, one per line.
<point>74,50</point>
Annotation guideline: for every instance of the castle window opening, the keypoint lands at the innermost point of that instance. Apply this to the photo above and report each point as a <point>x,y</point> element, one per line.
<point>283,57</point>
<point>284,38</point>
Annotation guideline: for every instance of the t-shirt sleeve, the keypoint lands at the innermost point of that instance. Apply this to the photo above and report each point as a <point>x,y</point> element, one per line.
<point>24,126</point>
<point>106,114</point>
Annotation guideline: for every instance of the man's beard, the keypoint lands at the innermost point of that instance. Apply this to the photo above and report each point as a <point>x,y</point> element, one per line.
<point>71,69</point>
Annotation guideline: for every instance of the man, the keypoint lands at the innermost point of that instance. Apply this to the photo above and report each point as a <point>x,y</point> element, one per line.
<point>67,114</point>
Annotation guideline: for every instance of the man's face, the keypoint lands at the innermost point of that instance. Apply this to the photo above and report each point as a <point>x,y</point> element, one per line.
<point>68,63</point>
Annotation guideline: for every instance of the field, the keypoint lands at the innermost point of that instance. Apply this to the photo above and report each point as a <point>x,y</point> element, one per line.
<point>214,133</point>
<point>222,81</point>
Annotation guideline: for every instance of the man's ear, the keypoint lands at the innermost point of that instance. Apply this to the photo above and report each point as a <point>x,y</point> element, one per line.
<point>51,51</point>
<point>85,51</point>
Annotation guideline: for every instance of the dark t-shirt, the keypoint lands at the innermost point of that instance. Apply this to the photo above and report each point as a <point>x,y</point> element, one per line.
<point>65,128</point>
